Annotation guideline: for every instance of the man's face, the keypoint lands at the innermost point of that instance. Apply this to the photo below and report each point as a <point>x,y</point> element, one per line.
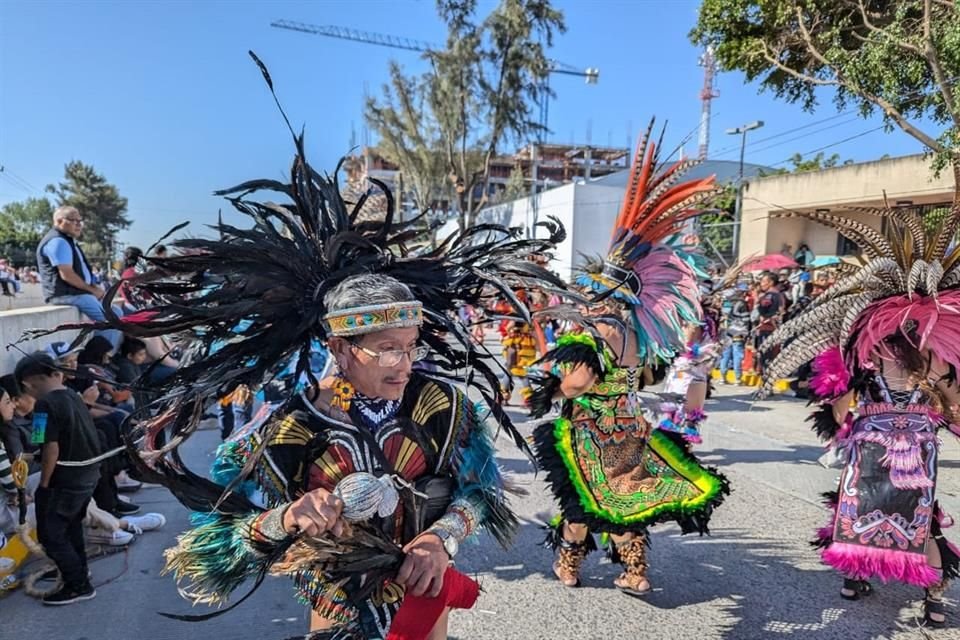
<point>70,361</point>
<point>40,384</point>
<point>138,357</point>
<point>765,283</point>
<point>364,370</point>
<point>70,222</point>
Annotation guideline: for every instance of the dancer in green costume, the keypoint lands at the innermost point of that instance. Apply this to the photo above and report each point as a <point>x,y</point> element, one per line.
<point>611,470</point>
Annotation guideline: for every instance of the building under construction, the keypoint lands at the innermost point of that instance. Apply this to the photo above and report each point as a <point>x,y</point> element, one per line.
<point>550,165</point>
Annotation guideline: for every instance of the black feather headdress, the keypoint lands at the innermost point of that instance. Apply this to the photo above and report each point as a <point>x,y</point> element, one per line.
<point>252,299</point>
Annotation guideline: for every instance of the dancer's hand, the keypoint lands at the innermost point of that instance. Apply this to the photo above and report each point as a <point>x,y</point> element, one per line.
<point>422,570</point>
<point>314,514</point>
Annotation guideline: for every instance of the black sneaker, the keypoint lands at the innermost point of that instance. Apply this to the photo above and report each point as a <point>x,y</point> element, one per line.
<point>69,595</point>
<point>125,509</point>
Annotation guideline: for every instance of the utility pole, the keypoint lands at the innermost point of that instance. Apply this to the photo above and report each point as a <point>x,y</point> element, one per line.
<point>742,132</point>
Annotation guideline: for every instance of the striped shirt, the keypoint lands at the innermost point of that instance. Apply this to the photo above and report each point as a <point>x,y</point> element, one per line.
<point>6,474</point>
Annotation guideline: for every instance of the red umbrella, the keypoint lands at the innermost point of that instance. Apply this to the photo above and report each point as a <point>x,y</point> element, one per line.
<point>772,262</point>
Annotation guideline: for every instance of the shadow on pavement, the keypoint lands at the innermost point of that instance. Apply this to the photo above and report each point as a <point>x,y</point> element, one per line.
<point>758,588</point>
<point>734,403</point>
<point>794,453</point>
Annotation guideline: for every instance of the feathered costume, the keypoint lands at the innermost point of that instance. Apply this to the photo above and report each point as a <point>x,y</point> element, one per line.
<point>885,513</point>
<point>433,443</point>
<point>608,467</point>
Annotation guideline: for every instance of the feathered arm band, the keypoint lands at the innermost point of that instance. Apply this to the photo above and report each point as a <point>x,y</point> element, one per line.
<point>223,551</point>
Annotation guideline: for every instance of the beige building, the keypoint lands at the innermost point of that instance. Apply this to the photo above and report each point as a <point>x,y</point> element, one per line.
<point>907,181</point>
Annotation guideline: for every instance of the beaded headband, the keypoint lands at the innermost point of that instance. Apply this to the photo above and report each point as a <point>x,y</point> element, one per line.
<point>360,320</point>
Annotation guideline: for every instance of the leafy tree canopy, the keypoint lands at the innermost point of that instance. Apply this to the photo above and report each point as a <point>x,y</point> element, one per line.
<point>900,58</point>
<point>479,93</point>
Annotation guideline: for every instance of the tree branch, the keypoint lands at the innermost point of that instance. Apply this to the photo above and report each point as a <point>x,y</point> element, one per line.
<point>887,107</point>
<point>803,77</point>
<point>930,53</point>
<point>807,39</point>
<point>906,46</point>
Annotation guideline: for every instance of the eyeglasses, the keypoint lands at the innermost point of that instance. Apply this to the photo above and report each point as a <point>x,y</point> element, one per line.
<point>393,358</point>
<point>74,220</point>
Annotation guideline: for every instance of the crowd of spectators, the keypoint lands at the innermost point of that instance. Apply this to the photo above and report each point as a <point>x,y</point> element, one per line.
<point>67,411</point>
<point>13,278</point>
<point>754,307</point>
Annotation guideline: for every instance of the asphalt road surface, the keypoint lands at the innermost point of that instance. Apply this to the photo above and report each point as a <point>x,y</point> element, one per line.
<point>754,577</point>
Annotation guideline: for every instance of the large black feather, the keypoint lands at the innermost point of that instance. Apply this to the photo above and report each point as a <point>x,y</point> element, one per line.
<point>273,275</point>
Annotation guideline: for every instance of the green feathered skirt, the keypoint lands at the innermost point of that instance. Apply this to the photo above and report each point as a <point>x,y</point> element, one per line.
<point>625,484</point>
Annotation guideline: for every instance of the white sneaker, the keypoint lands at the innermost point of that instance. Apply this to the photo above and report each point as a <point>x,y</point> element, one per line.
<point>146,522</point>
<point>127,484</point>
<point>118,538</point>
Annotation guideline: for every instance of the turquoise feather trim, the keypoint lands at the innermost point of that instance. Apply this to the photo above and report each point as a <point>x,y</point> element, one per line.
<point>216,557</point>
<point>229,461</point>
<point>478,475</point>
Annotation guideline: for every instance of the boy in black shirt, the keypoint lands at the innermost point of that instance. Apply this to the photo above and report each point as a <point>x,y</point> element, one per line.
<point>63,427</point>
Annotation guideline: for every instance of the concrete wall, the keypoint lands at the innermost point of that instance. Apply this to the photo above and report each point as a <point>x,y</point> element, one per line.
<point>864,184</point>
<point>30,295</point>
<point>13,323</point>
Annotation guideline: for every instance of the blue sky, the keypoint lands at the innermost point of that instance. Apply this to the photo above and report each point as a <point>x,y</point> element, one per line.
<point>162,98</point>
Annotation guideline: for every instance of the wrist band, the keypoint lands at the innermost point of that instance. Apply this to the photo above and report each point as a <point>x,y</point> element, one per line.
<point>268,527</point>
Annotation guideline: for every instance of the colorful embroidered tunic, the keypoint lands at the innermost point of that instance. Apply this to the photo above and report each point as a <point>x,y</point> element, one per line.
<point>519,348</point>
<point>885,511</point>
<point>605,463</point>
<point>436,431</point>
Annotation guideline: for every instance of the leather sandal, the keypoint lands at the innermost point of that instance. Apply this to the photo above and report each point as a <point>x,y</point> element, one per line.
<point>633,556</point>
<point>570,556</point>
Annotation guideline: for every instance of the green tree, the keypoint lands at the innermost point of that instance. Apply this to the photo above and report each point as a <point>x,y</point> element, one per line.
<point>99,202</point>
<point>408,137</point>
<point>24,223</point>
<point>717,228</point>
<point>479,91</point>
<point>933,219</point>
<point>816,163</point>
<point>516,185</point>
<point>900,59</point>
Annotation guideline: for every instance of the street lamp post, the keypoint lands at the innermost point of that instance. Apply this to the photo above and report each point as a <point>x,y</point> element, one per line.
<point>742,132</point>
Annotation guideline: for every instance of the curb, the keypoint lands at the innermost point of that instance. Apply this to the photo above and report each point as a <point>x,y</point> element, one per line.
<point>751,379</point>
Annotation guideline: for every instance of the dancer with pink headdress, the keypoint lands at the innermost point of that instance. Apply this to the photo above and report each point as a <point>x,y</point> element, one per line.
<point>885,345</point>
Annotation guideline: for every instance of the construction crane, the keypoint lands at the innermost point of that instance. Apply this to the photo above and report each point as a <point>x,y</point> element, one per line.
<point>591,75</point>
<point>707,94</point>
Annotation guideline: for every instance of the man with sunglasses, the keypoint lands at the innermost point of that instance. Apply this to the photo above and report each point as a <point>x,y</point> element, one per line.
<point>66,276</point>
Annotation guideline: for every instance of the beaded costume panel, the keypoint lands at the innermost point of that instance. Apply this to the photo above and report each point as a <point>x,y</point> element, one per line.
<point>611,470</point>
<point>885,508</point>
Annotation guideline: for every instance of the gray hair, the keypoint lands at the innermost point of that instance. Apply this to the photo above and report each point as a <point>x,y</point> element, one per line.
<point>61,212</point>
<point>364,290</point>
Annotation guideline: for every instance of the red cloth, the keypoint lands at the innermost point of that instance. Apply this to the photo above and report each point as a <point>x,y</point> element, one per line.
<point>419,614</point>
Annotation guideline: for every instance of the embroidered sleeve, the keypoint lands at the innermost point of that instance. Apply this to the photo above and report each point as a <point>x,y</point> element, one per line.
<point>479,499</point>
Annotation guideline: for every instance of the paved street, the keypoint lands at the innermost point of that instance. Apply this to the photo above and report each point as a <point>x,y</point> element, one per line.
<point>755,577</point>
